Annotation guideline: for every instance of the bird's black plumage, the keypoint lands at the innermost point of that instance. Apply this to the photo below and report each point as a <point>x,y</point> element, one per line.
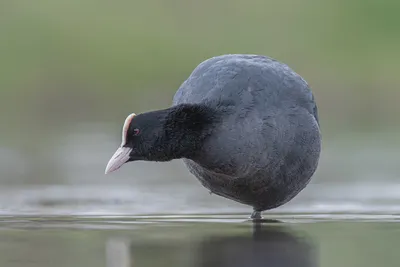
<point>173,133</point>
<point>245,125</point>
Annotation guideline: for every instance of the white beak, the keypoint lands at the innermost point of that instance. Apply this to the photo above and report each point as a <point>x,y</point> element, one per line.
<point>120,157</point>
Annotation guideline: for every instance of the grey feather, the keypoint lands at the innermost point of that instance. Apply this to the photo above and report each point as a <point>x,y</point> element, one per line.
<point>267,145</point>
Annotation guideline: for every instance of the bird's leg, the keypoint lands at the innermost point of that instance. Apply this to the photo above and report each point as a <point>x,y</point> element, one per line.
<point>256,215</point>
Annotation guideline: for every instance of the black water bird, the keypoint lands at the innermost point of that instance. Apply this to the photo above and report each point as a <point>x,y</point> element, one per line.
<point>246,126</point>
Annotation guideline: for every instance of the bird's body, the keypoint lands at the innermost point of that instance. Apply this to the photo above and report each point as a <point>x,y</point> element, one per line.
<point>261,142</point>
<point>266,148</point>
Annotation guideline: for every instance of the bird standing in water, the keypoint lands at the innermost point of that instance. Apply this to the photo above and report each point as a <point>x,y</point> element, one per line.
<point>246,126</point>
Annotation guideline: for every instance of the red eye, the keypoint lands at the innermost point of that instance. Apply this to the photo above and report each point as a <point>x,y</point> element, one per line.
<point>136,131</point>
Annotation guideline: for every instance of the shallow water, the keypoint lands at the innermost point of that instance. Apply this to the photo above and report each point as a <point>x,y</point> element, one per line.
<point>347,200</point>
<point>121,226</point>
<point>204,241</point>
<point>57,208</point>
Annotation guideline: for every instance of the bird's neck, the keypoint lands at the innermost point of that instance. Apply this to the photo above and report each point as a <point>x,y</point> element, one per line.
<point>183,131</point>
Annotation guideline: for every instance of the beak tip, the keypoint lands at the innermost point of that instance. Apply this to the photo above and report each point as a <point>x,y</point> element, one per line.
<point>120,157</point>
<point>109,168</point>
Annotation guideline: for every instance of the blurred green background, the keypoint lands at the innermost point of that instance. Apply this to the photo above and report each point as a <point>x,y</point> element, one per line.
<point>70,72</point>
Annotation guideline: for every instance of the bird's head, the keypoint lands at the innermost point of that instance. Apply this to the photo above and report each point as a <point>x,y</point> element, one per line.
<point>162,135</point>
<point>138,135</point>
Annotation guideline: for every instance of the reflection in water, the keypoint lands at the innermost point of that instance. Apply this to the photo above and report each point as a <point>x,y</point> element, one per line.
<point>271,246</point>
<point>268,245</point>
<point>118,254</point>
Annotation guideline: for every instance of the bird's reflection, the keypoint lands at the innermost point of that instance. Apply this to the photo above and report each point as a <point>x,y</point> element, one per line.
<point>269,245</point>
<point>272,245</point>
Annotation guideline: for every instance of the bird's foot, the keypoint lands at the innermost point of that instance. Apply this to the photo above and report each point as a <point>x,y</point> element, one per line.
<point>257,219</point>
<point>256,215</point>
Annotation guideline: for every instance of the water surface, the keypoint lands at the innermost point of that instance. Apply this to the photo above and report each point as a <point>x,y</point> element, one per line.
<point>57,208</point>
<point>196,241</point>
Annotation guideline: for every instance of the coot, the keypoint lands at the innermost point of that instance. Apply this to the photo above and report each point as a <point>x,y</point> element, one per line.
<point>246,126</point>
